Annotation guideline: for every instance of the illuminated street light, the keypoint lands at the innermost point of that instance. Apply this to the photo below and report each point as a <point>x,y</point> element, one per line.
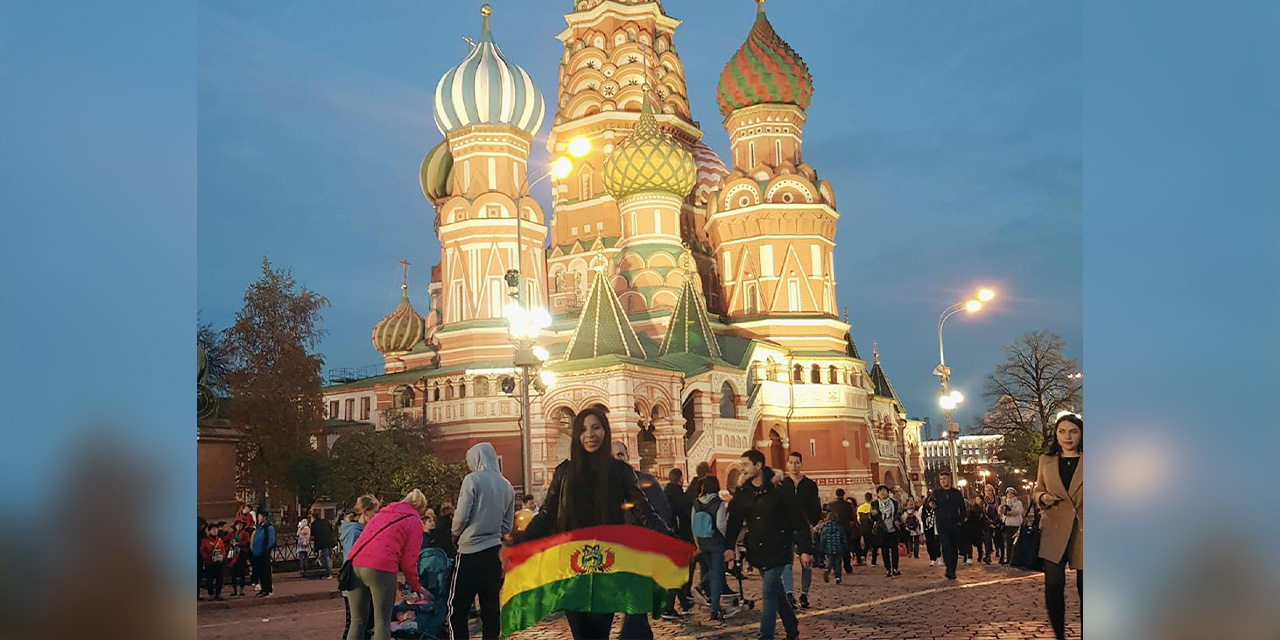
<point>949,402</point>
<point>972,306</point>
<point>957,396</point>
<point>986,295</point>
<point>561,168</point>
<point>579,146</point>
<point>548,377</point>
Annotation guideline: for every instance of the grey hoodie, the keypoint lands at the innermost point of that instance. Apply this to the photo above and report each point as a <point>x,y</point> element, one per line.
<point>486,505</point>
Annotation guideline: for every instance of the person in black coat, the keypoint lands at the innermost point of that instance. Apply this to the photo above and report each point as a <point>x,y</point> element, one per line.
<point>950,515</point>
<point>806,491</point>
<point>324,538</point>
<point>682,512</point>
<point>844,518</point>
<point>591,488</point>
<point>772,517</point>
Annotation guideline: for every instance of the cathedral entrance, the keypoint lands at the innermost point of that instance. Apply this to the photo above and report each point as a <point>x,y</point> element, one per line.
<point>777,454</point>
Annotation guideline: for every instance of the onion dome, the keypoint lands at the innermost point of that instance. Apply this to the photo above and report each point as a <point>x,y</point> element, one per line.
<point>649,160</point>
<point>401,330</point>
<point>487,89</point>
<point>765,70</point>
<point>711,171</point>
<point>434,174</point>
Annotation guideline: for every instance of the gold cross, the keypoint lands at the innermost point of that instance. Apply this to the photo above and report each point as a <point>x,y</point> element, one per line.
<point>404,273</point>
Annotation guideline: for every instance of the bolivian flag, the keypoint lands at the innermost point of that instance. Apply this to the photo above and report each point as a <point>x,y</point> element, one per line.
<point>612,568</point>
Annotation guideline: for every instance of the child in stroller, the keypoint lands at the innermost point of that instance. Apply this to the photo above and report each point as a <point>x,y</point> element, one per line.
<point>418,619</point>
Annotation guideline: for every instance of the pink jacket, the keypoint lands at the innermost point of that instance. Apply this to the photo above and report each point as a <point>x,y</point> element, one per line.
<point>396,548</point>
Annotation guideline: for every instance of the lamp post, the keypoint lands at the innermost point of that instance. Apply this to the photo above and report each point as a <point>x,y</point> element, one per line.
<point>949,399</point>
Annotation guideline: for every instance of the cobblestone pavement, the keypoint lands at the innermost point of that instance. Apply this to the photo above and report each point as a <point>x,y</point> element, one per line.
<point>987,602</point>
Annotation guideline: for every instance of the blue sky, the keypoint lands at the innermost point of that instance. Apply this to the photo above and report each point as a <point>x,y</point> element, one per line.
<point>950,132</point>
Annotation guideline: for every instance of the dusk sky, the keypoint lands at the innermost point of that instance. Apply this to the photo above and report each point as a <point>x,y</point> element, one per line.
<point>950,132</point>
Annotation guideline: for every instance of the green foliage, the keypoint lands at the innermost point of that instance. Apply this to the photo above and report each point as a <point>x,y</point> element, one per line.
<point>308,477</point>
<point>388,464</point>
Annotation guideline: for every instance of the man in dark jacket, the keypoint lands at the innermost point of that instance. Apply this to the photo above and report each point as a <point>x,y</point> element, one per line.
<point>806,491</point>
<point>637,625</point>
<point>682,512</point>
<point>325,539</point>
<point>950,515</point>
<point>844,518</point>
<point>772,517</point>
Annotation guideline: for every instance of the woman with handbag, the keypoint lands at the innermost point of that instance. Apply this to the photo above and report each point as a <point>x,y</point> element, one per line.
<point>1059,494</point>
<point>389,543</point>
<point>348,532</point>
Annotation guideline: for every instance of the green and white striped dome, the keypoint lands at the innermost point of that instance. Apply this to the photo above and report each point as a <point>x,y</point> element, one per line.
<point>487,89</point>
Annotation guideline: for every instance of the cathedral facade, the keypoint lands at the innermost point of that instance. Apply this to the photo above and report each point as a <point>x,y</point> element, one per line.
<point>691,298</point>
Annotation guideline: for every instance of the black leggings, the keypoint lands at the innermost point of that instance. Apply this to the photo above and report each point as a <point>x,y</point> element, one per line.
<point>589,626</point>
<point>1055,598</point>
<point>931,543</point>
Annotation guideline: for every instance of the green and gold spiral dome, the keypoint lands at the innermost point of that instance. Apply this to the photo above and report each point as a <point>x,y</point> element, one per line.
<point>649,160</point>
<point>434,173</point>
<point>400,330</point>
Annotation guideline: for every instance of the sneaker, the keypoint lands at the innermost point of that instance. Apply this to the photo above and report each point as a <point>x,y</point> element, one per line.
<point>670,615</point>
<point>804,601</point>
<point>951,576</point>
<point>728,593</point>
<point>837,580</point>
<point>968,561</point>
<point>933,563</point>
<point>264,594</point>
<point>701,596</point>
<point>897,572</point>
<point>257,588</point>
<point>716,616</point>
<point>730,612</point>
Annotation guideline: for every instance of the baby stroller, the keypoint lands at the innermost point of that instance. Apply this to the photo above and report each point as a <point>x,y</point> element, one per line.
<point>422,619</point>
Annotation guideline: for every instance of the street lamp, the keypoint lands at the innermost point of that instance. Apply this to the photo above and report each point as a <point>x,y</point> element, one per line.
<point>524,324</point>
<point>949,399</point>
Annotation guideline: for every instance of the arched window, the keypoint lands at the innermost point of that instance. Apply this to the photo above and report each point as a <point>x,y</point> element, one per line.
<point>435,392</point>
<point>462,388</point>
<point>482,386</point>
<point>833,377</point>
<point>751,376</point>
<point>402,397</point>
<point>728,401</point>
<point>797,374</point>
<point>448,390</point>
<point>815,374</point>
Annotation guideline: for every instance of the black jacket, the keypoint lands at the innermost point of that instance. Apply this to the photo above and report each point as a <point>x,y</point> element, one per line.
<point>632,503</point>
<point>772,517</point>
<point>322,534</point>
<point>681,510</point>
<point>844,513</point>
<point>807,495</point>
<point>950,508</point>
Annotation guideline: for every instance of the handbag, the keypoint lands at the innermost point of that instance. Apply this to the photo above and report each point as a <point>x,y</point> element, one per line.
<point>1026,547</point>
<point>347,580</point>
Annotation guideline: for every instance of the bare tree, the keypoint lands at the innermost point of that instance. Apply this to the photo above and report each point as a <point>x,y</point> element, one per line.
<point>1035,383</point>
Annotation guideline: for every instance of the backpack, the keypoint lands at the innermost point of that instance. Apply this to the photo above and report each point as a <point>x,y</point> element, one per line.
<point>704,520</point>
<point>913,522</point>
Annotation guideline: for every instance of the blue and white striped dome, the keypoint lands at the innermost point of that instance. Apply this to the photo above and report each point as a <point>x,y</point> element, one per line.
<point>487,89</point>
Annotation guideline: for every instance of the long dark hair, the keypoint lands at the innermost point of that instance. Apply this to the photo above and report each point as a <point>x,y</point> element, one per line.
<point>583,505</point>
<point>1055,449</point>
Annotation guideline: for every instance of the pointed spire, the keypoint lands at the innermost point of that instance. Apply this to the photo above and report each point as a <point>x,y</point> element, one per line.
<point>603,328</point>
<point>689,330</point>
<point>486,33</point>
<point>759,7</point>
<point>879,379</point>
<point>875,351</point>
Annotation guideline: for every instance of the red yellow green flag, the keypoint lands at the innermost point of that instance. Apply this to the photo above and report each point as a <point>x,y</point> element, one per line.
<point>607,569</point>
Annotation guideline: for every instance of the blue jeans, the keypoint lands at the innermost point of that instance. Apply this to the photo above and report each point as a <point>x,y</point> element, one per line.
<point>326,560</point>
<point>774,604</point>
<point>833,563</point>
<point>789,578</point>
<point>713,562</point>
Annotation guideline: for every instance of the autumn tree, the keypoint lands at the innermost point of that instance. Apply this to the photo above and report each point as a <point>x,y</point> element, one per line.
<point>389,463</point>
<point>1026,393</point>
<point>273,374</point>
<point>215,354</point>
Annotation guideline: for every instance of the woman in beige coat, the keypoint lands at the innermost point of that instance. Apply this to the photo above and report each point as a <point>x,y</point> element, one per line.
<point>1060,495</point>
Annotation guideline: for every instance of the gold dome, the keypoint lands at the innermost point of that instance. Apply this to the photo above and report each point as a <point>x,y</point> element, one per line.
<point>649,160</point>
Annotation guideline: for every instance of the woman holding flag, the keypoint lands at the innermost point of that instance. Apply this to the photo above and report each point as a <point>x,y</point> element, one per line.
<point>575,558</point>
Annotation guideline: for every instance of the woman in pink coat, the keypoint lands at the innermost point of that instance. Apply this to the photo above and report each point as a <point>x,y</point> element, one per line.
<point>388,544</point>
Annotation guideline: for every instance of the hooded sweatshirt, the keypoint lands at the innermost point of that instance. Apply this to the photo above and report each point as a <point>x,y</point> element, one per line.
<point>391,542</point>
<point>348,533</point>
<point>486,504</point>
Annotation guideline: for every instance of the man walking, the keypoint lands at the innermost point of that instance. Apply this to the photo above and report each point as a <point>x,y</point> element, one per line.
<point>950,514</point>
<point>844,518</point>
<point>324,539</point>
<point>264,539</point>
<point>772,517</point>
<point>486,511</point>
<point>806,492</point>
<point>867,528</point>
<point>681,512</point>
<point>636,626</point>
<point>1012,510</point>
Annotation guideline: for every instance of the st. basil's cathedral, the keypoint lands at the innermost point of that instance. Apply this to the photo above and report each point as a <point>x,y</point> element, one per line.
<point>694,300</point>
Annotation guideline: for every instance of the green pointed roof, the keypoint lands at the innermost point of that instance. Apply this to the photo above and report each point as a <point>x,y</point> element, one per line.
<point>850,348</point>
<point>878,377</point>
<point>603,328</point>
<point>689,330</point>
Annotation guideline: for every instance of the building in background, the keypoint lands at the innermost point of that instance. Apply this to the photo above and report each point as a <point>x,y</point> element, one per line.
<point>693,299</point>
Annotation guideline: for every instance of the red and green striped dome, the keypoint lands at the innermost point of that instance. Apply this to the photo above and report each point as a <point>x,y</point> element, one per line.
<point>765,70</point>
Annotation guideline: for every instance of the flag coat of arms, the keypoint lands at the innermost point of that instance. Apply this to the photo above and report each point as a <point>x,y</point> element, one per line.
<point>605,569</point>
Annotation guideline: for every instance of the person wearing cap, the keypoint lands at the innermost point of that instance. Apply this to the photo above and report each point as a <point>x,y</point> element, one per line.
<point>1012,511</point>
<point>950,513</point>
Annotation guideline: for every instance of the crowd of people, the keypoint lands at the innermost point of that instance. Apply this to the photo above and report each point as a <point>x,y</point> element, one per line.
<point>764,524</point>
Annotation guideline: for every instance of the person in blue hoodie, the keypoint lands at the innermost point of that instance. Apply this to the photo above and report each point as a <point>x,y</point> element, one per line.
<point>264,539</point>
<point>486,511</point>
